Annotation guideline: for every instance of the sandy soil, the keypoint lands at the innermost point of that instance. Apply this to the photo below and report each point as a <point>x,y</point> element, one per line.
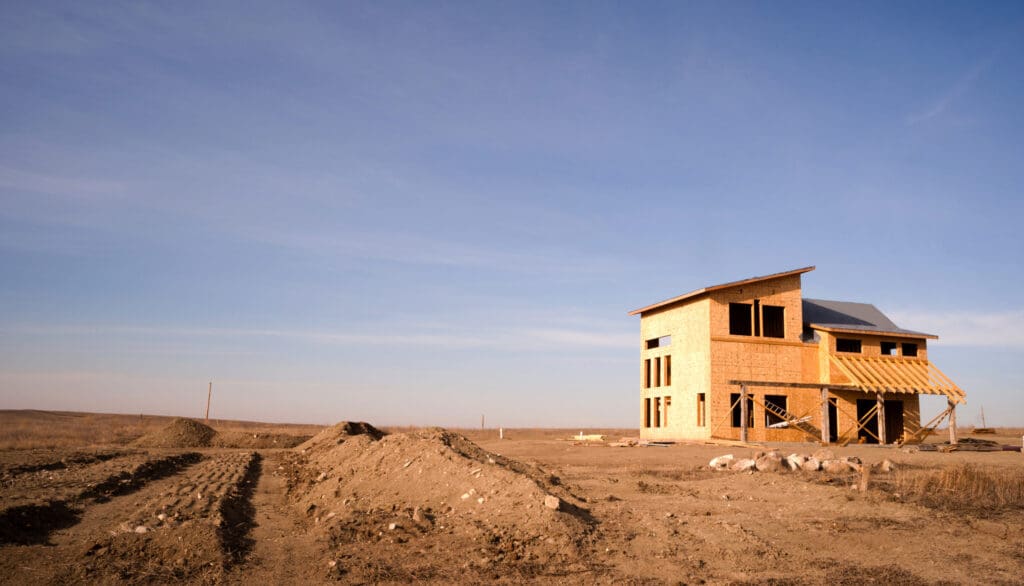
<point>431,506</point>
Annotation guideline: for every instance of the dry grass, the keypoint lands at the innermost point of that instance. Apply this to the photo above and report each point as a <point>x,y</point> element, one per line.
<point>962,487</point>
<point>29,429</point>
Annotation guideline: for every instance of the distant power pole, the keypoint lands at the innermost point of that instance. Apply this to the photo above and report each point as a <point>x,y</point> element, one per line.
<point>481,422</point>
<point>209,393</point>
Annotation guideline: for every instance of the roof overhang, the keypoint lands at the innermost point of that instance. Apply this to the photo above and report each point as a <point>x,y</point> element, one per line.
<point>884,374</point>
<point>867,332</point>
<point>706,290</point>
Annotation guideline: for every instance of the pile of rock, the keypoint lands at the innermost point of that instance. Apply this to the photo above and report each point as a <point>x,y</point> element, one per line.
<point>773,461</point>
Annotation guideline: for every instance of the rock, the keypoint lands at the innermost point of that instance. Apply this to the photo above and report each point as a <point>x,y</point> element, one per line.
<point>886,466</point>
<point>161,516</point>
<point>768,463</point>
<point>795,461</point>
<point>465,496</point>
<point>552,502</point>
<point>321,477</point>
<point>823,454</point>
<point>811,464</point>
<point>834,466</point>
<point>721,462</point>
<point>394,526</point>
<point>417,515</point>
<point>853,463</point>
<point>743,465</point>
<point>141,529</point>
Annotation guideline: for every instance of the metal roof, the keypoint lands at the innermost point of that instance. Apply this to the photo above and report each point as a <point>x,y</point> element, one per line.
<point>850,316</point>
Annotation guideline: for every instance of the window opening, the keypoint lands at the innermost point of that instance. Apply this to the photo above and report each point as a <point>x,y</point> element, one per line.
<point>668,371</point>
<point>888,348</point>
<point>774,324</point>
<point>909,349</point>
<point>659,342</point>
<point>656,417</point>
<point>737,413</point>
<point>739,319</point>
<point>774,409</point>
<point>647,373</point>
<point>847,345</point>
<point>757,317</point>
<point>700,409</point>
<point>657,371</point>
<point>647,412</point>
<point>664,414</point>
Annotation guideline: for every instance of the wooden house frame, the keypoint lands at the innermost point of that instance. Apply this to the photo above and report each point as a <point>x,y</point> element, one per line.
<point>754,360</point>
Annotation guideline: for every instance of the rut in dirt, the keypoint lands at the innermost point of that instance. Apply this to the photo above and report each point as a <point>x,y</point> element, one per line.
<point>33,524</point>
<point>238,515</point>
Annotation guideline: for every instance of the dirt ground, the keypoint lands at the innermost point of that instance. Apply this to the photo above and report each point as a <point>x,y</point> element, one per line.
<point>354,506</point>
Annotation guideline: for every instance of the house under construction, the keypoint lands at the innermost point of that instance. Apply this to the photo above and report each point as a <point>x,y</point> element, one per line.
<point>755,360</point>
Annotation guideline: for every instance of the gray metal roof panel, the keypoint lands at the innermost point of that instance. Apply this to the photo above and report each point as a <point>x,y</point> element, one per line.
<point>850,315</point>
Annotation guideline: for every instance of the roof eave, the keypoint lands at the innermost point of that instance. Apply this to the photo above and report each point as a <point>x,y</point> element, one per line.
<point>730,285</point>
<point>892,334</point>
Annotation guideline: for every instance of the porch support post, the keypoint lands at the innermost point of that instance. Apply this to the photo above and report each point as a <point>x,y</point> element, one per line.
<point>952,423</point>
<point>880,399</point>
<point>743,413</point>
<point>825,432</point>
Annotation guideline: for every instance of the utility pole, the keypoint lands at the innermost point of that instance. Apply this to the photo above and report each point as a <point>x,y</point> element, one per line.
<point>481,422</point>
<point>209,393</point>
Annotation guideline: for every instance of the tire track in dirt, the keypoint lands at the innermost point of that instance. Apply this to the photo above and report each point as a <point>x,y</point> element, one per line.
<point>191,525</point>
<point>283,549</point>
<point>33,523</point>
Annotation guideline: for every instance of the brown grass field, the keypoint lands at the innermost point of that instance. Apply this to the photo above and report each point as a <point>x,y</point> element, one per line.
<point>82,500</point>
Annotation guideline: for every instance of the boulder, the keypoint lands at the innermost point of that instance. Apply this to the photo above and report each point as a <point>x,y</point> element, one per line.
<point>824,454</point>
<point>834,466</point>
<point>770,462</point>
<point>795,461</point>
<point>744,464</point>
<point>721,462</point>
<point>552,502</point>
<point>853,463</point>
<point>886,466</point>
<point>811,464</point>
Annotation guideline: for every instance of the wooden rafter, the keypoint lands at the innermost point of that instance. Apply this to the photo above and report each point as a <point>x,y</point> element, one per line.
<point>890,374</point>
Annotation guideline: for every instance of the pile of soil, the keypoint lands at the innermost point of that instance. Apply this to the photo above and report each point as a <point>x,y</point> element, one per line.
<point>181,433</point>
<point>338,433</point>
<point>242,439</point>
<point>433,505</point>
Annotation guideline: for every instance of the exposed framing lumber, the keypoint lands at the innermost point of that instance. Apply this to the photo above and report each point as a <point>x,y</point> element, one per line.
<point>792,421</point>
<point>925,430</point>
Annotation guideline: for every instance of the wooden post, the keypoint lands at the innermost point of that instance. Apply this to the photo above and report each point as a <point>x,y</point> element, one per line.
<point>743,413</point>
<point>880,416</point>
<point>481,422</point>
<point>952,423</point>
<point>825,432</point>
<point>209,393</point>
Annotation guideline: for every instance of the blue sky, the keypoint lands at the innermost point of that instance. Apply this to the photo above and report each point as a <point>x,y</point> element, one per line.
<point>415,213</point>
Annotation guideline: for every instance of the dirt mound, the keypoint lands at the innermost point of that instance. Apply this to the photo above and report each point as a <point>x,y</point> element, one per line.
<point>181,433</point>
<point>242,439</point>
<point>382,499</point>
<point>338,433</point>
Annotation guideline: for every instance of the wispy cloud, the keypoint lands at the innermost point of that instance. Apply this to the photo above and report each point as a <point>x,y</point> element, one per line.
<point>1003,329</point>
<point>53,184</point>
<point>451,337</point>
<point>963,85</point>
